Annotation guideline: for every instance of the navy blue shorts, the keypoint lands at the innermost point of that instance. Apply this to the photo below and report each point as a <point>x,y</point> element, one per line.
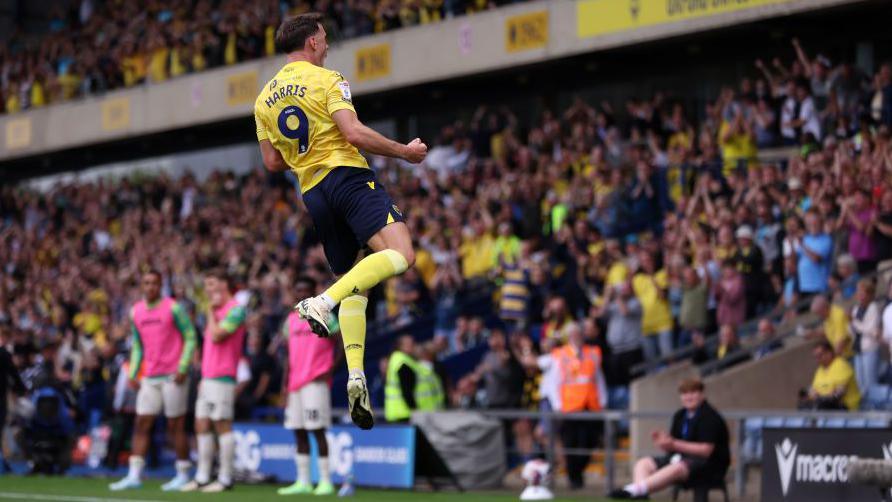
<point>348,207</point>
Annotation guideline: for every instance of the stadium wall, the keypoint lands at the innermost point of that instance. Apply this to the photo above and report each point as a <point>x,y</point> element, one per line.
<point>513,36</point>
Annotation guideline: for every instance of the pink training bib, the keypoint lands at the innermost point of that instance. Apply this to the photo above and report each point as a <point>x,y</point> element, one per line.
<point>309,356</point>
<point>220,359</point>
<point>161,340</point>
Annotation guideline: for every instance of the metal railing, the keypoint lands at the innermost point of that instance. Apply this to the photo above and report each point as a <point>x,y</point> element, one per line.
<point>612,418</point>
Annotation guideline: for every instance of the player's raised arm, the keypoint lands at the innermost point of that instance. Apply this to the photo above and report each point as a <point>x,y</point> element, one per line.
<point>367,139</point>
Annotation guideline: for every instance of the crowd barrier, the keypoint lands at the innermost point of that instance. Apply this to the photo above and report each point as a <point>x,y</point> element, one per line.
<point>802,454</point>
<point>830,430</point>
<point>383,457</point>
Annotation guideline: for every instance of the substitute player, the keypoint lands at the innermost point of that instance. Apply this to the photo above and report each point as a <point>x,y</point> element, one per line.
<point>306,122</point>
<point>308,410</point>
<point>163,340</point>
<point>224,337</point>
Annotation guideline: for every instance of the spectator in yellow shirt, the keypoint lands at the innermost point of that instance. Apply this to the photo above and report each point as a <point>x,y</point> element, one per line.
<point>178,60</point>
<point>506,248</point>
<point>650,287</point>
<point>834,326</point>
<point>133,66</point>
<point>833,386</point>
<point>38,96</point>
<point>230,47</point>
<point>617,271</point>
<point>477,250</point>
<point>198,60</point>
<point>158,61</point>
<point>13,105</point>
<point>738,142</point>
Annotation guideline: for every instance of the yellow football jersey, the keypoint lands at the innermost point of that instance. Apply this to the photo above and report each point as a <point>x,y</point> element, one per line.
<point>293,111</point>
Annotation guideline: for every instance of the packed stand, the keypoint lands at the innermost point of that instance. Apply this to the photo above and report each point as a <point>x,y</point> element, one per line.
<point>634,231</point>
<point>98,46</point>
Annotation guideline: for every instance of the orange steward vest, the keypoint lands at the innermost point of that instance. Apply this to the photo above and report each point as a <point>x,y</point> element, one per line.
<point>579,389</point>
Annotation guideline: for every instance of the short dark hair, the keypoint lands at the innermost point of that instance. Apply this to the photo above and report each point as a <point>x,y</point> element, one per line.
<point>690,385</point>
<point>221,275</point>
<point>155,272</point>
<point>294,31</point>
<point>305,279</point>
<point>825,345</point>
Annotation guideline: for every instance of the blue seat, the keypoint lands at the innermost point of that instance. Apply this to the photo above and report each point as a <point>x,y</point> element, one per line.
<point>795,422</point>
<point>856,423</point>
<point>752,443</point>
<point>876,423</point>
<point>831,423</point>
<point>754,423</point>
<point>774,422</point>
<point>876,397</point>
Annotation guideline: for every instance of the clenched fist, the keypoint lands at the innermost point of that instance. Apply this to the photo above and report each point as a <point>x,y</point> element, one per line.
<point>416,151</point>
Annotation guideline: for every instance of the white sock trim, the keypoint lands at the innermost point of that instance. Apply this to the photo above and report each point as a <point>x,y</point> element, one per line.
<point>353,306</point>
<point>324,472</point>
<point>328,301</point>
<point>205,457</point>
<point>136,464</point>
<point>183,467</point>
<point>398,261</point>
<point>636,489</point>
<point>227,457</point>
<point>303,468</point>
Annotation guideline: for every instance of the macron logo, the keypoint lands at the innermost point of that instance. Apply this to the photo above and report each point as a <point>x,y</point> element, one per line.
<point>887,451</point>
<point>786,458</point>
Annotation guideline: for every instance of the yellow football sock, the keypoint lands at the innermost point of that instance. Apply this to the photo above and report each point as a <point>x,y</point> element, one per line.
<point>352,320</point>
<point>371,270</point>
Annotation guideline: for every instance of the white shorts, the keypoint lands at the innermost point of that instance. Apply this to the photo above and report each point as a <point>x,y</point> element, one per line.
<point>216,400</point>
<point>160,393</point>
<point>309,407</point>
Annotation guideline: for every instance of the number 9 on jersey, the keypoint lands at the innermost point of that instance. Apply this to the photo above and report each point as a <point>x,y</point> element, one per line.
<point>294,124</point>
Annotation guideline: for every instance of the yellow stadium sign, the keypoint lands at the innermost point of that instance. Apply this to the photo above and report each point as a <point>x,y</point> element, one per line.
<point>115,114</point>
<point>18,133</point>
<point>241,88</point>
<point>600,17</point>
<point>526,31</point>
<point>372,62</point>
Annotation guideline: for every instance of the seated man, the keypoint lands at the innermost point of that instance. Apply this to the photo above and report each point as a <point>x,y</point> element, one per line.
<point>766,339</point>
<point>696,448</point>
<point>833,386</point>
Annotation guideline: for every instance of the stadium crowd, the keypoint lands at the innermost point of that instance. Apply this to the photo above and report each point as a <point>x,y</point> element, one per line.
<point>98,45</point>
<point>637,230</point>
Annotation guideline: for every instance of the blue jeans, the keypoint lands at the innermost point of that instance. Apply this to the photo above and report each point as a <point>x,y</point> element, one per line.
<point>867,371</point>
<point>657,345</point>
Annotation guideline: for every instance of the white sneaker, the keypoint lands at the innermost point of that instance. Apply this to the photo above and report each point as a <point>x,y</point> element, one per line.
<point>127,483</point>
<point>216,487</point>
<point>316,312</point>
<point>358,400</point>
<point>193,486</point>
<point>176,484</point>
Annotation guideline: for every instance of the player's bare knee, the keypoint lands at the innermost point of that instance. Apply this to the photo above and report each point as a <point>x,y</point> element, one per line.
<point>645,463</point>
<point>679,471</point>
<point>144,423</point>
<point>202,426</point>
<point>174,424</point>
